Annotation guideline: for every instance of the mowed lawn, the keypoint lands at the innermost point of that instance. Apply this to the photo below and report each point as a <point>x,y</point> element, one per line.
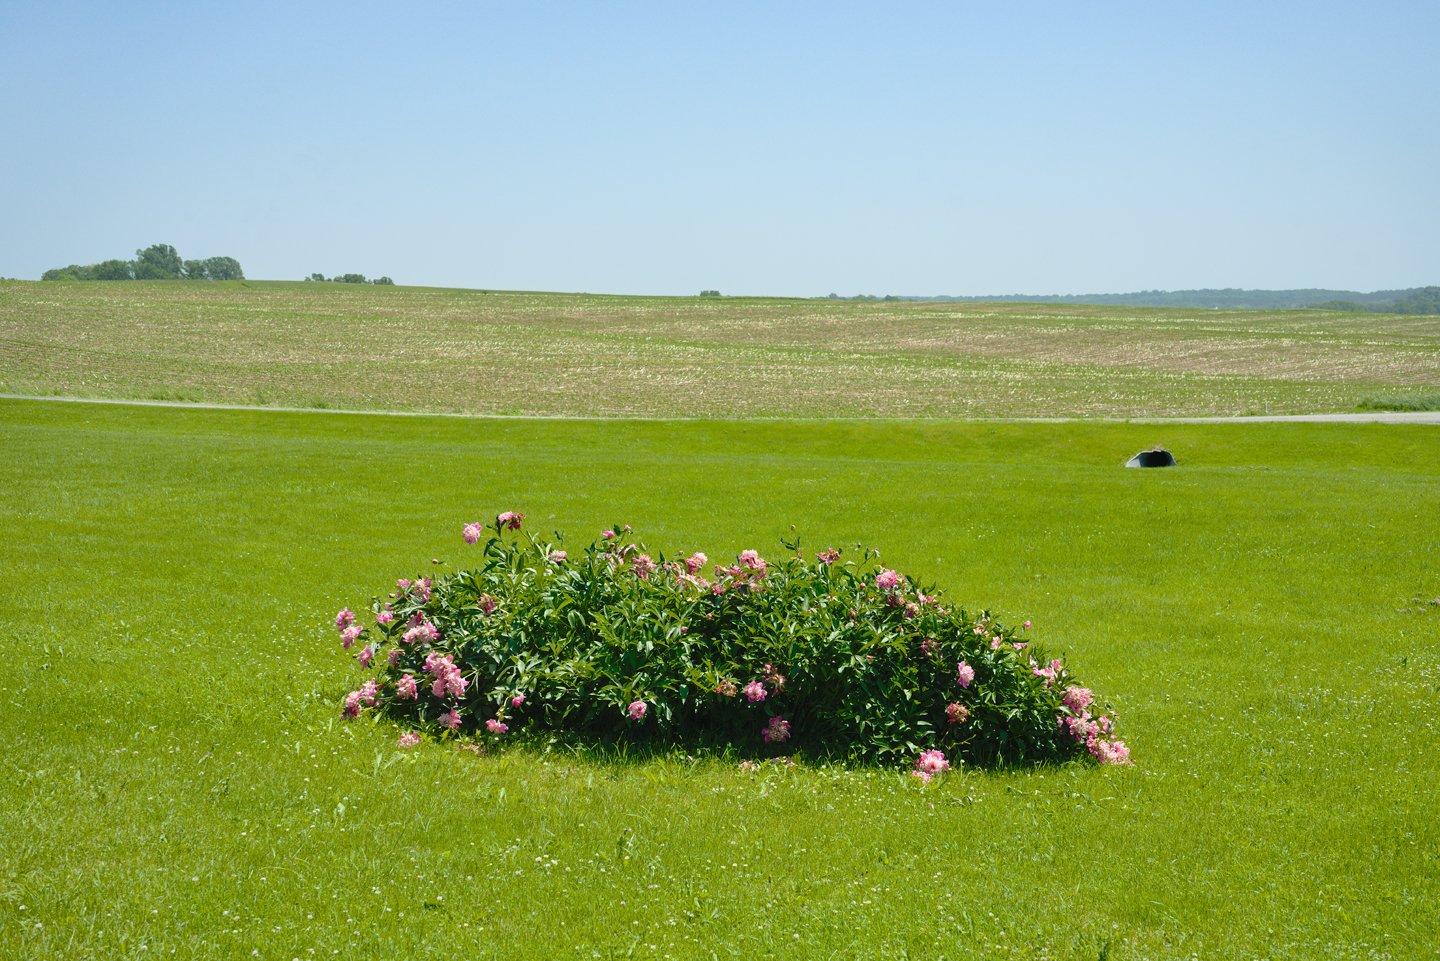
<point>345,346</point>
<point>179,783</point>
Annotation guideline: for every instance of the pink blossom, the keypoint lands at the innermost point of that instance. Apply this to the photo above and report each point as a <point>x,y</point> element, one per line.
<point>448,679</point>
<point>495,726</point>
<point>352,705</point>
<point>643,566</point>
<point>956,713</point>
<point>726,688</point>
<point>754,692</point>
<point>912,610</point>
<point>509,519</point>
<point>488,604</point>
<point>964,674</point>
<point>365,656</point>
<point>637,710</point>
<point>887,580</point>
<point>1110,752</point>
<point>894,599</point>
<point>929,647</point>
<point>607,535</point>
<point>1027,625</point>
<point>472,532</point>
<point>394,656</point>
<point>695,563</point>
<point>344,619</point>
<point>405,688</point>
<point>754,562</point>
<point>350,635</point>
<point>408,740</point>
<point>1077,699</point>
<point>517,700</point>
<point>557,557</point>
<point>828,556</point>
<point>420,632</point>
<point>451,719</point>
<point>368,692</point>
<point>402,584</point>
<point>422,589</point>
<point>929,764</point>
<point>777,731</point>
<point>774,678</point>
<point>1049,673</point>
<point>1019,645</point>
<point>385,617</point>
<point>995,643</point>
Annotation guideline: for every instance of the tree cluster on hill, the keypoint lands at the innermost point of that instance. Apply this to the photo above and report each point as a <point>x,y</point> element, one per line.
<point>350,279</point>
<point>156,262</point>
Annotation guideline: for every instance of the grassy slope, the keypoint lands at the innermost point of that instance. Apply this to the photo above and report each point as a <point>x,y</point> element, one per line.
<point>178,781</point>
<point>336,345</point>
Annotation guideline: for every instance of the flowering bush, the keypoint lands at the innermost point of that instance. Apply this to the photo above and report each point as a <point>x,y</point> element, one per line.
<point>840,658</point>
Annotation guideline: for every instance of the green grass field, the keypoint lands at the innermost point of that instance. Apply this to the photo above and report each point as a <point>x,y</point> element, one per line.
<point>179,783</point>
<point>377,348</point>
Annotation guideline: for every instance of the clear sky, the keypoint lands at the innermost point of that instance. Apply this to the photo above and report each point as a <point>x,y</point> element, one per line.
<point>774,147</point>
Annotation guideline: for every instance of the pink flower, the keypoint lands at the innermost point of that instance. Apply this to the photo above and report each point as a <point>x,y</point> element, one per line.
<point>1077,699</point>
<point>405,688</point>
<point>754,692</point>
<point>1110,752</point>
<point>488,604</point>
<point>368,692</point>
<point>695,562</point>
<point>451,719</point>
<point>509,519</point>
<point>643,566</point>
<point>887,580</point>
<point>929,764</point>
<point>607,535</point>
<point>929,647</point>
<point>774,678</point>
<point>350,635</point>
<point>964,674</point>
<point>422,589</point>
<point>754,562</point>
<point>557,557</point>
<point>448,679</point>
<point>1049,673</point>
<point>777,731</point>
<point>517,700</point>
<point>365,656</point>
<point>394,656</point>
<point>344,619</point>
<point>472,532</point>
<point>420,632</point>
<point>402,584</point>
<point>496,726</point>
<point>408,740</point>
<point>912,610</point>
<point>956,713</point>
<point>352,705</point>
<point>1019,645</point>
<point>726,688</point>
<point>1027,625</point>
<point>828,556</point>
<point>637,710</point>
<point>385,617</point>
<point>995,643</point>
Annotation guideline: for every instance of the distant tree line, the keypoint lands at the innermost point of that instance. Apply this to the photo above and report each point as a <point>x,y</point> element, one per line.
<point>156,262</point>
<point>350,279</point>
<point>1420,300</point>
<point>1416,300</point>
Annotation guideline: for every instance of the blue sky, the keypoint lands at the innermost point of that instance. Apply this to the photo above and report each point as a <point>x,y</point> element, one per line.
<point>786,148</point>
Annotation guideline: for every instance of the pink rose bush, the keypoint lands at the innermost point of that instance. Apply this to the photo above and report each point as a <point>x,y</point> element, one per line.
<point>831,655</point>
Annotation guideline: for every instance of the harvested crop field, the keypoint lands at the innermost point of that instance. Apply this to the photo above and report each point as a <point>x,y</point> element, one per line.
<point>353,347</point>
